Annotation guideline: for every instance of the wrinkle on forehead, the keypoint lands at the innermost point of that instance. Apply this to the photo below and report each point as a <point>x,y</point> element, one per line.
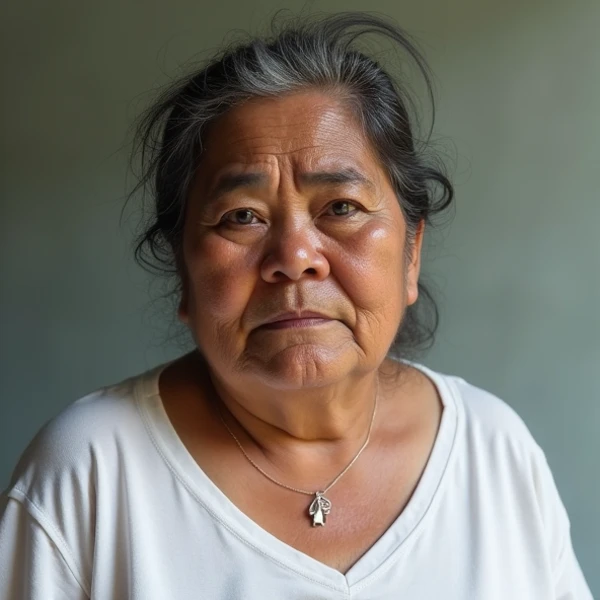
<point>306,131</point>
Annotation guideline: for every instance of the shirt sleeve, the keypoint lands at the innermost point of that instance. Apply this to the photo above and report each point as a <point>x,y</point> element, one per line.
<point>32,564</point>
<point>569,581</point>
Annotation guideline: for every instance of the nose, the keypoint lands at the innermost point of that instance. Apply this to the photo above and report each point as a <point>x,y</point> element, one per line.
<point>294,253</point>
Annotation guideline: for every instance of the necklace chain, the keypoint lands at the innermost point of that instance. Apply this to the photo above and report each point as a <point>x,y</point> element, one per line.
<point>289,487</point>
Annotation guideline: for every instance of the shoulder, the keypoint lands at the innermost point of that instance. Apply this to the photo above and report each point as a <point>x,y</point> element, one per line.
<point>70,470</point>
<point>54,487</point>
<point>511,473</point>
<point>490,436</point>
<point>62,442</point>
<point>67,452</point>
<point>486,417</point>
<point>495,447</point>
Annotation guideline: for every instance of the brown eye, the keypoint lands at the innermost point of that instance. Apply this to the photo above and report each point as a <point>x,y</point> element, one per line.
<point>341,208</point>
<point>243,216</point>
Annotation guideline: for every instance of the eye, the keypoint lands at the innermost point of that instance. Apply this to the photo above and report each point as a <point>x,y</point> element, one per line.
<point>341,208</point>
<point>241,216</point>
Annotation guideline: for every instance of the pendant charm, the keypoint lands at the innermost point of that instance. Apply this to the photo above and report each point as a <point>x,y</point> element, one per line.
<point>319,508</point>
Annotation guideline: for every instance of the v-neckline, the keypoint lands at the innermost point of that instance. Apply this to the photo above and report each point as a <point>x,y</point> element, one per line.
<point>376,560</point>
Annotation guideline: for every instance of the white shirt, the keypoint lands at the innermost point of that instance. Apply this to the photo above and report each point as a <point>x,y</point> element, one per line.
<point>107,503</point>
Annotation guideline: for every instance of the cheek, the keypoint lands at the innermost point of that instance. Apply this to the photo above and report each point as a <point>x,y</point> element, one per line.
<point>370,267</point>
<point>220,279</point>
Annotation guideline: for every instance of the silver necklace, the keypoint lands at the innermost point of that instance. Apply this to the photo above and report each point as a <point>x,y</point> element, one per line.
<point>320,506</point>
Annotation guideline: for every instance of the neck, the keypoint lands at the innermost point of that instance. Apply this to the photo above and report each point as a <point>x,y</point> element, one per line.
<point>300,432</point>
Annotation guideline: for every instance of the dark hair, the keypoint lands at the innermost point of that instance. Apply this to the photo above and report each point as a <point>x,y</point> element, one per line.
<point>298,54</point>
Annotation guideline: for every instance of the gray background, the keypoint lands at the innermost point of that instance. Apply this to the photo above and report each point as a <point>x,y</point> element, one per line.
<point>517,272</point>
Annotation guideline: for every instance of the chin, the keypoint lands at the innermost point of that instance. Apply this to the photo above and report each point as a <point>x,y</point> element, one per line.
<point>305,366</point>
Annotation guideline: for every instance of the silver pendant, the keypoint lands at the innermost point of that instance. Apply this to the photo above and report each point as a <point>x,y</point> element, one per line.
<point>319,508</point>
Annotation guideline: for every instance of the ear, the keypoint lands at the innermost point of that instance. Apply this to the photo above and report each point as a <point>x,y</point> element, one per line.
<point>183,309</point>
<point>414,265</point>
<point>182,312</point>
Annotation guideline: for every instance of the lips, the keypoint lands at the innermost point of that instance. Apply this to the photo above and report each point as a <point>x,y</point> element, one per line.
<point>303,314</point>
<point>298,319</point>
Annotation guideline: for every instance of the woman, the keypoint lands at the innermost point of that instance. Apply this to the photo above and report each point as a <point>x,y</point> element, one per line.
<point>289,456</point>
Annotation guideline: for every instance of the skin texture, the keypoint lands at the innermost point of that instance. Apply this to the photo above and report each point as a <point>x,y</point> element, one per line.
<point>290,212</point>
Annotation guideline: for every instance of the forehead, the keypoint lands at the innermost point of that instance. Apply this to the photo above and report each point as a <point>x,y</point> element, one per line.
<point>304,131</point>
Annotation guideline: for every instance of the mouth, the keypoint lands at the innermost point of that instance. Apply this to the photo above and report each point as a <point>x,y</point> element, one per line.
<point>295,323</point>
<point>297,320</point>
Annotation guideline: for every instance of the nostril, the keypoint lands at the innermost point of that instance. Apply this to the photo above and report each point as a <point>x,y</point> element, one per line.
<point>279,275</point>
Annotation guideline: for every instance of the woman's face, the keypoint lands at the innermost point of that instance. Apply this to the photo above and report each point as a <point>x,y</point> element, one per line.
<point>294,265</point>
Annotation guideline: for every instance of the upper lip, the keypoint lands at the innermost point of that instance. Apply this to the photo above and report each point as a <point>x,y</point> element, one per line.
<point>300,314</point>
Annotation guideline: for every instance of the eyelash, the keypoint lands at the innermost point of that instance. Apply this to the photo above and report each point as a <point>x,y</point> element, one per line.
<point>225,221</point>
<point>353,209</point>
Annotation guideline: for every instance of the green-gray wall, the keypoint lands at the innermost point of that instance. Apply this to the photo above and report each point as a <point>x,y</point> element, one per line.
<point>518,271</point>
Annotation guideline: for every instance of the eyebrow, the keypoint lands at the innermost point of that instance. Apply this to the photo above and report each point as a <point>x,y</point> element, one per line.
<point>343,176</point>
<point>231,182</point>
